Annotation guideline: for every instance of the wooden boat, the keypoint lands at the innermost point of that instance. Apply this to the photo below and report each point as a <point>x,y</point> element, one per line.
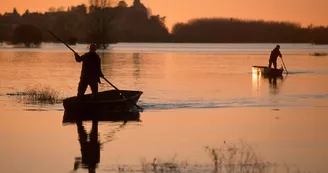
<point>111,100</point>
<point>267,72</point>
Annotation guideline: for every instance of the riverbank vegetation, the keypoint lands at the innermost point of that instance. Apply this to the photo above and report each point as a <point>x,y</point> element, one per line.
<point>239,157</point>
<point>38,95</point>
<point>224,30</point>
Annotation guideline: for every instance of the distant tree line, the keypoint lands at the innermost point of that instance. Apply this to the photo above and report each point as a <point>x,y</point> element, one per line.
<point>103,22</point>
<point>223,30</point>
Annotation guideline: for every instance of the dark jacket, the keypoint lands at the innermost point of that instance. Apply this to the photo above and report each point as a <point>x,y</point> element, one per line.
<point>274,54</point>
<point>91,66</point>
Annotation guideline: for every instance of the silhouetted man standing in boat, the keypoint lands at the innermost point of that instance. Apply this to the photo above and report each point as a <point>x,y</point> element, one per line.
<point>273,57</point>
<point>91,71</point>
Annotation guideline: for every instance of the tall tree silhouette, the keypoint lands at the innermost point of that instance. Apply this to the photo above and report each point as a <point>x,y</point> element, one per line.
<point>15,12</point>
<point>99,22</point>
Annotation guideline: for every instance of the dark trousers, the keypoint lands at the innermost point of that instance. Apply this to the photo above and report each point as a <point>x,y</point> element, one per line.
<point>83,85</point>
<point>274,64</point>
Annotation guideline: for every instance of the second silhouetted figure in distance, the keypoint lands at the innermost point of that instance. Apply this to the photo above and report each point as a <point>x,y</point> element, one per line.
<point>273,57</point>
<point>91,71</point>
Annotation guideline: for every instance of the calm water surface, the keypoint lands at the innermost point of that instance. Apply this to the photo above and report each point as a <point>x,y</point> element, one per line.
<point>195,95</point>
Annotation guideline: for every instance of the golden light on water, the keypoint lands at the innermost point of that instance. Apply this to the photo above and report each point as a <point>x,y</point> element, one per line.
<point>256,82</point>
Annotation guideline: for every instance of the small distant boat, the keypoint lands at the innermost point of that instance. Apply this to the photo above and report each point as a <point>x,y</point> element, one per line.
<point>267,72</point>
<point>112,100</point>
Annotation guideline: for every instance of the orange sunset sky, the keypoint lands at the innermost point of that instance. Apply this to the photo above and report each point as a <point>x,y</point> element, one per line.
<point>304,12</point>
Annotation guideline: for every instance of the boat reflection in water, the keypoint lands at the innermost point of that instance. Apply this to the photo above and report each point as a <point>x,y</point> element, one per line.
<point>100,115</point>
<point>90,143</point>
<point>274,83</point>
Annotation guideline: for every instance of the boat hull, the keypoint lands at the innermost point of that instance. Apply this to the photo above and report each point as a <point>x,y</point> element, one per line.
<point>109,105</point>
<point>267,72</point>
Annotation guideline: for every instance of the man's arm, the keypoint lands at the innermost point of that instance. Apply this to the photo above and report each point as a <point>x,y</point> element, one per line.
<point>280,54</point>
<point>99,68</point>
<point>78,58</point>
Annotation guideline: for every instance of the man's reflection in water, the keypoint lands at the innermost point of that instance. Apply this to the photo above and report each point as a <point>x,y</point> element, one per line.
<point>273,82</point>
<point>274,86</point>
<point>90,147</point>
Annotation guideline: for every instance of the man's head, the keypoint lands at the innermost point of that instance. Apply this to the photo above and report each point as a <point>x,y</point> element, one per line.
<point>92,47</point>
<point>278,47</point>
